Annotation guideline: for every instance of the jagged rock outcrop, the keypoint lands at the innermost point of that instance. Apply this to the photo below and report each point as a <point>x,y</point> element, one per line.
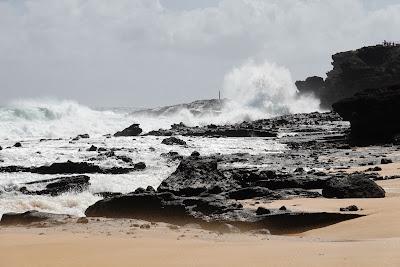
<point>194,176</point>
<point>373,114</point>
<point>312,85</point>
<point>353,71</point>
<point>133,130</point>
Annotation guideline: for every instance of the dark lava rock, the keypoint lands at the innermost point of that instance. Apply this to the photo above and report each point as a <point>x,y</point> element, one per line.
<point>262,211</point>
<point>352,186</point>
<point>172,155</point>
<point>32,216</point>
<point>60,185</point>
<point>210,213</point>
<point>92,148</point>
<point>373,114</point>
<point>173,141</point>
<point>80,136</point>
<point>283,208</point>
<point>237,130</point>
<point>68,167</point>
<point>125,159</point>
<point>251,192</point>
<point>133,130</point>
<point>18,144</point>
<point>386,161</point>
<point>194,176</point>
<point>195,154</point>
<point>350,208</point>
<point>146,206</point>
<point>306,181</point>
<point>353,71</point>
<point>312,85</point>
<point>1,148</point>
<point>374,169</point>
<point>150,189</point>
<point>140,166</point>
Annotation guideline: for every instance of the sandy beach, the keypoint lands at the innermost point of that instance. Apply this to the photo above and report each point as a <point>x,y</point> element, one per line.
<point>373,240</point>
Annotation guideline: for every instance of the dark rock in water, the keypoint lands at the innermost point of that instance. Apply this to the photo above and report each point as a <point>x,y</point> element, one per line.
<point>68,167</point>
<point>353,71</point>
<point>150,189</point>
<point>386,161</point>
<point>373,114</point>
<point>239,130</point>
<point>101,149</point>
<point>140,166</point>
<point>262,211</point>
<point>57,186</point>
<point>350,208</point>
<point>173,141</point>
<point>18,144</point>
<point>133,130</point>
<point>251,192</point>
<point>1,148</point>
<point>195,154</point>
<point>172,155</point>
<point>283,208</point>
<point>352,186</point>
<point>92,148</point>
<point>194,176</point>
<point>80,136</point>
<point>32,216</point>
<point>13,169</point>
<point>125,159</point>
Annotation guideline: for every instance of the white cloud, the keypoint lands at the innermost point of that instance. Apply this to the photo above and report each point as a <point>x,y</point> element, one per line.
<point>140,53</point>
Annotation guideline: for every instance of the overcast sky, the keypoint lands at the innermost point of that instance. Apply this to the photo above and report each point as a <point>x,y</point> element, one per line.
<point>155,52</point>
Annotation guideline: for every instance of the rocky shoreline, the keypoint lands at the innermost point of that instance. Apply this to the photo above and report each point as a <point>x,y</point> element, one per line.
<point>211,190</point>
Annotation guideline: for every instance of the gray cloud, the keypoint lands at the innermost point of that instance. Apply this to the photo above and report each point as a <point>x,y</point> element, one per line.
<point>149,52</point>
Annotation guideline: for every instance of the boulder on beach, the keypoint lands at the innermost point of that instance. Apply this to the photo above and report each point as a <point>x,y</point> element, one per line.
<point>133,130</point>
<point>352,186</point>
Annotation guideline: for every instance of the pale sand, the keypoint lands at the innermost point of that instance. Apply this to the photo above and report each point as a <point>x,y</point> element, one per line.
<point>373,240</point>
